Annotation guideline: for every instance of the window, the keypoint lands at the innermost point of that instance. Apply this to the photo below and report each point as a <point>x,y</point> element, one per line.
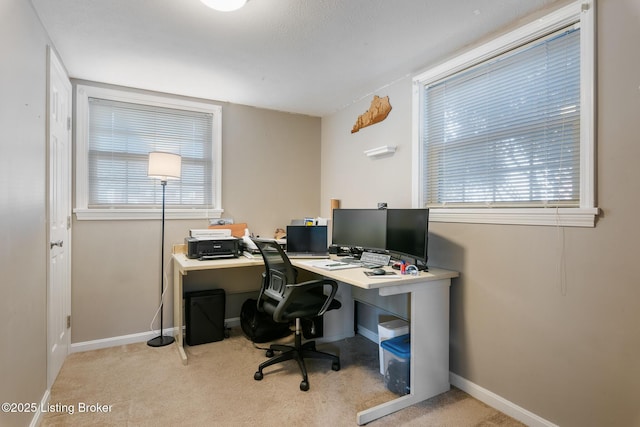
<point>115,131</point>
<point>505,132</point>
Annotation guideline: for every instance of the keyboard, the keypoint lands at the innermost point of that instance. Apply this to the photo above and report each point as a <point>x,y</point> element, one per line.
<point>368,260</point>
<point>374,260</point>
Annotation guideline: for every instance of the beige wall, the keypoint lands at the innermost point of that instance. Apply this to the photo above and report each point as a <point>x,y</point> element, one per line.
<point>360,181</point>
<point>271,174</point>
<point>558,339</point>
<point>564,347</point>
<point>23,262</point>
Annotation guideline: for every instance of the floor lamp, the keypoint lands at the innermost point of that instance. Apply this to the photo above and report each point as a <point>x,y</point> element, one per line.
<point>163,166</point>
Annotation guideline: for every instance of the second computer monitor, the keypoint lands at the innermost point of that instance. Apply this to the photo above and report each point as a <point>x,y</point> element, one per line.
<point>407,232</point>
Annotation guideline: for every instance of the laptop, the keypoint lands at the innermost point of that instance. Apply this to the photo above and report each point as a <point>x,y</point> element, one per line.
<point>307,241</point>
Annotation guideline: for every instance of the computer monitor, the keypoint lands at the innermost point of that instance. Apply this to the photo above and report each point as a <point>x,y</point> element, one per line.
<point>407,233</point>
<point>359,228</point>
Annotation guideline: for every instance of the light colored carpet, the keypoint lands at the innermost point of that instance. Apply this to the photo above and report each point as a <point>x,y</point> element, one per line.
<point>144,386</point>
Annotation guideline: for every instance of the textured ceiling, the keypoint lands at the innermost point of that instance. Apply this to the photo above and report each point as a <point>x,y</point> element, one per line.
<point>304,56</point>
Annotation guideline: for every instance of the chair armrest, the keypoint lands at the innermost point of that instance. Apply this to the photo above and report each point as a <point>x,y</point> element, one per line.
<point>312,284</point>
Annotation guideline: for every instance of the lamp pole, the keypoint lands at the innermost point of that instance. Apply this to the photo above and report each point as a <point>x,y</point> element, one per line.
<point>161,340</point>
<point>163,166</point>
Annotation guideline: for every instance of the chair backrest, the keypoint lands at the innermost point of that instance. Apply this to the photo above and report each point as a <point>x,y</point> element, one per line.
<point>278,270</point>
<point>280,289</point>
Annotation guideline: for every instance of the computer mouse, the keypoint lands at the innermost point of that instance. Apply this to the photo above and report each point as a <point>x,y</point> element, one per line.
<point>378,271</point>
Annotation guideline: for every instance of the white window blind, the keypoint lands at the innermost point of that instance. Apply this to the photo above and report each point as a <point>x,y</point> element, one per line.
<point>506,132</point>
<point>120,136</point>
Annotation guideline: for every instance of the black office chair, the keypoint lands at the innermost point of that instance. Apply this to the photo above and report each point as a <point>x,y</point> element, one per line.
<point>285,300</point>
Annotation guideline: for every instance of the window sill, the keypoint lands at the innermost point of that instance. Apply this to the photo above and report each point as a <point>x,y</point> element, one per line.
<point>564,217</point>
<point>135,214</point>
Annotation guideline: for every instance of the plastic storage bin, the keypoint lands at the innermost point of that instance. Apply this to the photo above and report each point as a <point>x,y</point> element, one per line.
<point>397,356</point>
<point>387,330</point>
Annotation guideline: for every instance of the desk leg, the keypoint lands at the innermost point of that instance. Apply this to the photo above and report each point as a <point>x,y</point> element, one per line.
<point>429,374</point>
<point>178,315</point>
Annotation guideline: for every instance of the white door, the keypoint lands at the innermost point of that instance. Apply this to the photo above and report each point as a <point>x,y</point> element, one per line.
<point>59,202</point>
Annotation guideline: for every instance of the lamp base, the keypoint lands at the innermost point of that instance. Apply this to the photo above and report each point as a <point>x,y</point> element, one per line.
<point>160,341</point>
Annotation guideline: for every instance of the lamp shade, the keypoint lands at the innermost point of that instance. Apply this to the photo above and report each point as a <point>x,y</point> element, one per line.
<point>164,166</point>
<point>224,5</point>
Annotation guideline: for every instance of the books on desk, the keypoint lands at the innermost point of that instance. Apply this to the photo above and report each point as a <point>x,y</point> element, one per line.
<point>329,264</point>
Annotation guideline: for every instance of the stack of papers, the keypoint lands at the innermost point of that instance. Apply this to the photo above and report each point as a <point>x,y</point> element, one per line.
<point>329,264</point>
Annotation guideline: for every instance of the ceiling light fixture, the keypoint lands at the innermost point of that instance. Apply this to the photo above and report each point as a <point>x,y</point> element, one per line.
<point>224,5</point>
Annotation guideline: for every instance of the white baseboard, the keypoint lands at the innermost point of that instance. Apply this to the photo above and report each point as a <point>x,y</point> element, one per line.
<point>232,322</point>
<point>133,338</point>
<point>116,341</point>
<point>499,403</point>
<point>37,416</point>
<point>146,336</point>
<point>370,335</point>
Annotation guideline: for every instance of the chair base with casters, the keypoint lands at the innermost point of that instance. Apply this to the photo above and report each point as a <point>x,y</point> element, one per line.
<point>297,352</point>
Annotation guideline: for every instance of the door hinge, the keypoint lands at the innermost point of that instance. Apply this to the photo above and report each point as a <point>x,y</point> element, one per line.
<point>68,222</point>
<point>68,123</point>
<point>68,321</point>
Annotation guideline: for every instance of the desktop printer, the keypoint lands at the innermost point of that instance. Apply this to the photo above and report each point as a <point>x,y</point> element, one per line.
<point>211,248</point>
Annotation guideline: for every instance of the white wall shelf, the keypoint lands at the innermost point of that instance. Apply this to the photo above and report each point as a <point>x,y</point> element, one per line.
<point>381,151</point>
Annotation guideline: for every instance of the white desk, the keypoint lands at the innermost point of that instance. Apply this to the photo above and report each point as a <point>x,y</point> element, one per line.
<point>429,371</point>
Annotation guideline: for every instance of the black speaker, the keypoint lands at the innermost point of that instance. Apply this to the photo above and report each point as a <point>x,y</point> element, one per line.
<point>204,316</point>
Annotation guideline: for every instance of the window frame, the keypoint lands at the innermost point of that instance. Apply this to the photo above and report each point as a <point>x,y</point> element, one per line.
<point>577,13</point>
<point>82,209</point>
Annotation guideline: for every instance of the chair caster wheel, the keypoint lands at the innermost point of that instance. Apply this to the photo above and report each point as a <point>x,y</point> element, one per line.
<point>304,386</point>
<point>257,376</point>
<point>269,353</point>
<point>335,366</point>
